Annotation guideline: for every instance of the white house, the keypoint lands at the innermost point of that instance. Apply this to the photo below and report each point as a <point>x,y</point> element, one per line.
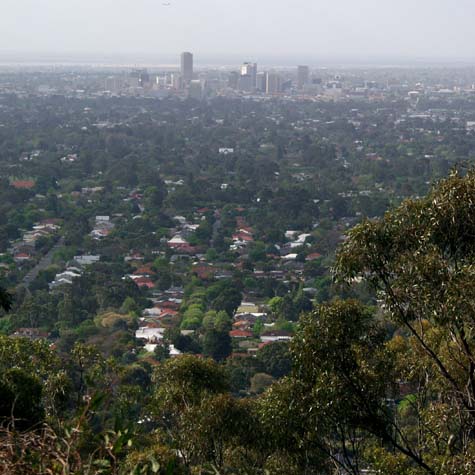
<point>150,334</point>
<point>87,259</point>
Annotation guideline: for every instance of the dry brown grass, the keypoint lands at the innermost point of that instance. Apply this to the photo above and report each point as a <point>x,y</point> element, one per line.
<point>36,452</point>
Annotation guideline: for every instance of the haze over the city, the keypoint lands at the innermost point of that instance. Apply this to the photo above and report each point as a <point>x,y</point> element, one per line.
<point>222,31</point>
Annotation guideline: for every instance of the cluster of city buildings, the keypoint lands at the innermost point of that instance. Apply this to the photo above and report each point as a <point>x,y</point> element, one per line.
<point>248,79</point>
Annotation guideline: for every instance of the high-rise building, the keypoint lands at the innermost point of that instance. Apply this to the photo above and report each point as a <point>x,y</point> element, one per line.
<point>261,82</point>
<point>273,83</point>
<point>195,89</point>
<point>113,84</point>
<point>250,69</point>
<point>303,76</point>
<point>139,78</point>
<point>233,79</point>
<point>245,83</point>
<point>176,81</point>
<point>187,66</point>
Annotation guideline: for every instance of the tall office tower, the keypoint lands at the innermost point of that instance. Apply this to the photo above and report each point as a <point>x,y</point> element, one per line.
<point>261,82</point>
<point>273,83</point>
<point>161,81</point>
<point>139,77</point>
<point>187,66</point>
<point>144,78</point>
<point>113,84</point>
<point>195,90</point>
<point>245,83</point>
<point>250,69</point>
<point>233,80</point>
<point>176,81</point>
<point>303,76</point>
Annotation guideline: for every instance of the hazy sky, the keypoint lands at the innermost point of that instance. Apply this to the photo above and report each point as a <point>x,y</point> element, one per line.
<point>349,29</point>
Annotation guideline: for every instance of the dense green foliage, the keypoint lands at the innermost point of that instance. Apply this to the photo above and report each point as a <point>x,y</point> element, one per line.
<point>153,285</point>
<point>390,390</point>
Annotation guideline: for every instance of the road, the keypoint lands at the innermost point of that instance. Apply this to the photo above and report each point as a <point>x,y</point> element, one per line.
<point>45,262</point>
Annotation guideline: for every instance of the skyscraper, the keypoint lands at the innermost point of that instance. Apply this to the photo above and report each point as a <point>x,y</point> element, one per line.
<point>273,83</point>
<point>139,78</point>
<point>187,66</point>
<point>250,69</point>
<point>177,81</point>
<point>303,76</point>
<point>261,82</point>
<point>195,91</point>
<point>233,79</point>
<point>245,83</point>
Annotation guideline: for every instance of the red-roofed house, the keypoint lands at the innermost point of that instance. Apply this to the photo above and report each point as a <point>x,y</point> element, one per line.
<point>144,271</point>
<point>203,271</point>
<point>23,184</point>
<point>242,237</point>
<point>246,229</point>
<point>261,345</point>
<point>167,305</point>
<point>187,249</point>
<point>202,210</point>
<point>21,257</point>
<point>169,312</point>
<point>240,334</point>
<point>144,282</point>
<point>242,325</point>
